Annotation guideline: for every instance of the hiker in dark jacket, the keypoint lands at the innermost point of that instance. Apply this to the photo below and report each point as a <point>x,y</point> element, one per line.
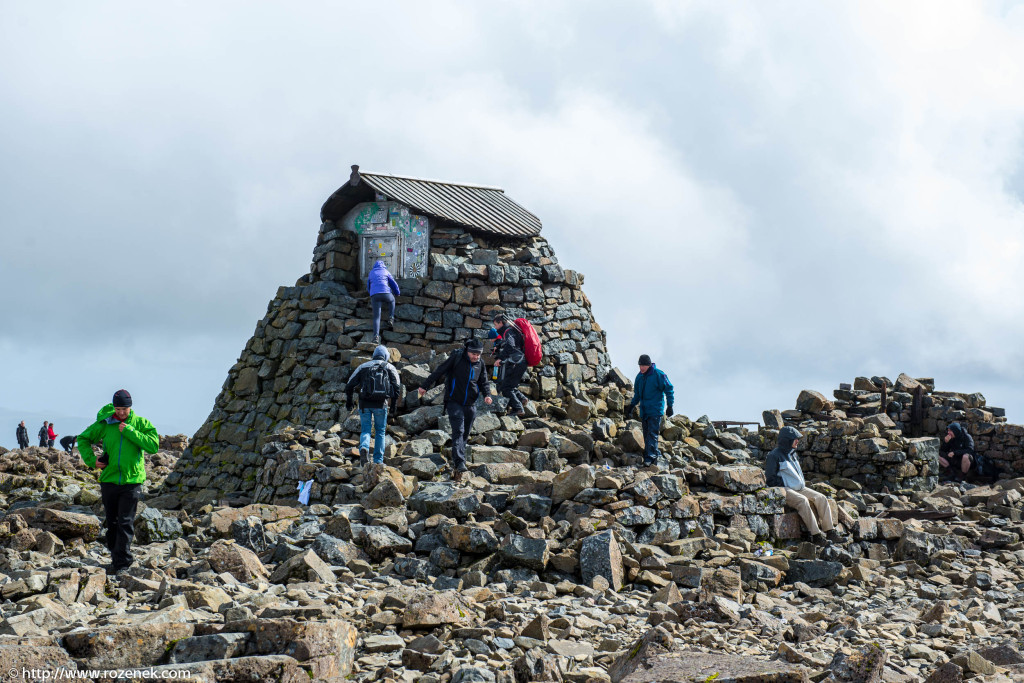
<point>44,435</point>
<point>510,351</point>
<point>782,468</point>
<point>465,380</point>
<point>383,289</point>
<point>651,391</point>
<point>22,435</point>
<point>68,443</point>
<point>373,401</point>
<point>957,455</point>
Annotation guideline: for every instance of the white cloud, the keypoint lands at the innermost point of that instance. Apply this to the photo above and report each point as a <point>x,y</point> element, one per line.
<point>763,197</point>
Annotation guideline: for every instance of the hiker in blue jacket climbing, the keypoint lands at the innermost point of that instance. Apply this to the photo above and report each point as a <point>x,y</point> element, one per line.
<point>383,289</point>
<point>652,391</point>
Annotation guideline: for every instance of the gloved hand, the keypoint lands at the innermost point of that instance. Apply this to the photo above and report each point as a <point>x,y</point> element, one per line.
<point>669,411</point>
<point>629,411</point>
<point>348,404</point>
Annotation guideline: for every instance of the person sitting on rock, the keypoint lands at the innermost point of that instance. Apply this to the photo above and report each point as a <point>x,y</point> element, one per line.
<point>125,437</point>
<point>959,459</point>
<point>68,443</point>
<point>782,468</point>
<point>378,382</point>
<point>511,359</point>
<point>465,379</point>
<point>383,289</point>
<point>651,391</point>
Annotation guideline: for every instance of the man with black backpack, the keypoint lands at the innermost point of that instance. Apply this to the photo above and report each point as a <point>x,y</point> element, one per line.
<point>379,383</point>
<point>465,379</point>
<point>511,362</point>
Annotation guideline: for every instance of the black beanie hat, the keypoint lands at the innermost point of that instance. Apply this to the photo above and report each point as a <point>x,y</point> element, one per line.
<point>474,344</point>
<point>644,360</point>
<point>122,399</point>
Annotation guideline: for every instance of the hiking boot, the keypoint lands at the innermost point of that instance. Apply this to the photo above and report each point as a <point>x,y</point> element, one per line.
<point>364,456</point>
<point>376,339</point>
<point>834,536</point>
<point>457,476</point>
<point>518,413</point>
<point>390,323</point>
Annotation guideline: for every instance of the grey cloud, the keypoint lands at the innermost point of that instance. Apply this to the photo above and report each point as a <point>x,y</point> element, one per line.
<point>748,190</point>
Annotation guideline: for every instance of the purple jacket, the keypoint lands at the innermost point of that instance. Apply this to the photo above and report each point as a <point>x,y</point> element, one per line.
<point>380,281</point>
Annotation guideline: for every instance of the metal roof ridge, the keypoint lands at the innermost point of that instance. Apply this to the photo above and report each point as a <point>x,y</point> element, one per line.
<point>428,180</point>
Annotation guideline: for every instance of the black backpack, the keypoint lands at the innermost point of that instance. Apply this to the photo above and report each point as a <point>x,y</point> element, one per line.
<point>376,383</point>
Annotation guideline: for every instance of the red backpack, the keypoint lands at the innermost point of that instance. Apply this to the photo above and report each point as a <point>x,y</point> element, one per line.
<point>531,342</point>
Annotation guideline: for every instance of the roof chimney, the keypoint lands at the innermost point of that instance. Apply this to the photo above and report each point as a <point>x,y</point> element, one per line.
<point>354,178</point>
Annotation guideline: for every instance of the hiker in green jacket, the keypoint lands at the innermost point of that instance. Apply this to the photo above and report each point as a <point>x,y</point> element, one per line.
<point>124,435</point>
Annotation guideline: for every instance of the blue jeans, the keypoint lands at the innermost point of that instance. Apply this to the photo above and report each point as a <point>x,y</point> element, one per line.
<point>378,301</point>
<point>375,420</point>
<point>652,428</point>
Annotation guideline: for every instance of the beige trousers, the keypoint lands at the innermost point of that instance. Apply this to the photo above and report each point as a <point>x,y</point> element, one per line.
<point>801,500</point>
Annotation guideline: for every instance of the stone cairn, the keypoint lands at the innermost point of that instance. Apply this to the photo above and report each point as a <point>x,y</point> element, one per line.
<point>293,370</point>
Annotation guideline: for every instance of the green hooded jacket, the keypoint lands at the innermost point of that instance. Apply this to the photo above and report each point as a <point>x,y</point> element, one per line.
<point>127,464</point>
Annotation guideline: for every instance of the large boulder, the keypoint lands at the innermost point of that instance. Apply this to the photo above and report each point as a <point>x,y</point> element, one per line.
<point>467,538</point>
<point>736,478</point>
<point>600,556</point>
<point>431,609</point>
<point>64,525</point>
<point>444,499</point>
<point>379,542</point>
<point>815,573</point>
<point>567,484</point>
<point>306,566</point>
<point>520,551</point>
<point>120,647</point>
<point>239,561</point>
<point>921,546</point>
<point>326,647</point>
<point>152,527</point>
<point>810,401</point>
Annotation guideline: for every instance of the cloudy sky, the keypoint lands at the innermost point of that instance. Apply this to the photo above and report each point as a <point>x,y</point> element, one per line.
<point>765,197</point>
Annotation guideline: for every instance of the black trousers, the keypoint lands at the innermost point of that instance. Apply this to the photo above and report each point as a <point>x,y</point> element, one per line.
<point>508,385</point>
<point>119,504</point>
<point>462,421</point>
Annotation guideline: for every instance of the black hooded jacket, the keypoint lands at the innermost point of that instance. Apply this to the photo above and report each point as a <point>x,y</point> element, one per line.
<point>783,451</point>
<point>464,380</point>
<point>511,345</point>
<point>960,443</point>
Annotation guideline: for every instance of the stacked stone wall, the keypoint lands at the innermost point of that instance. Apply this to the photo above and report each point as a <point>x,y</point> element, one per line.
<point>871,433</point>
<point>294,368</point>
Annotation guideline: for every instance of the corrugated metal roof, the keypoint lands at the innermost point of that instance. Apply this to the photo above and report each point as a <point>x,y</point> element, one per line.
<point>477,207</point>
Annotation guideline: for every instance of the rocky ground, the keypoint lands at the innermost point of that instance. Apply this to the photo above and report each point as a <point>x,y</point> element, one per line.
<point>595,573</point>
